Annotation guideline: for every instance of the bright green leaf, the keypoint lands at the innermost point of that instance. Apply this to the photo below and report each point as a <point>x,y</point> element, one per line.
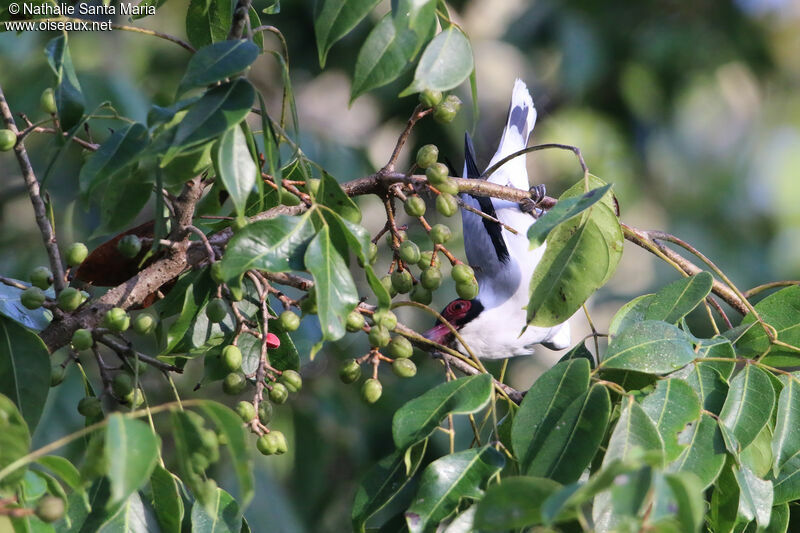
<point>629,314</point>
<point>561,212</point>
<point>748,405</point>
<point>786,440</point>
<point>671,407</point>
<point>336,19</point>
<point>703,451</point>
<point>677,299</point>
<point>15,441</point>
<point>651,347</point>
<point>221,516</point>
<point>167,500</point>
<point>781,310</point>
<point>446,62</point>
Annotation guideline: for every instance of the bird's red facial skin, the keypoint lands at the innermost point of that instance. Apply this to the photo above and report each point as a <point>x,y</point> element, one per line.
<point>454,313</point>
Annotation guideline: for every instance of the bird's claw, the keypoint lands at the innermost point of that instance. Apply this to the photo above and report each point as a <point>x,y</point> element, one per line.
<point>538,193</point>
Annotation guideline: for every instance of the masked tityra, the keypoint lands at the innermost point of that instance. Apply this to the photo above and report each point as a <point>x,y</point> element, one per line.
<point>503,263</point>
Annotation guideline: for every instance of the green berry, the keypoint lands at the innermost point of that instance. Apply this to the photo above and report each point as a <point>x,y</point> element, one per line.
<point>386,319</point>
<point>350,371</point>
<point>431,278</point>
<point>400,347</point>
<point>117,319</point>
<point>440,234</point>
<point>234,383</point>
<point>427,155</point>
<point>41,277</point>
<point>82,339</point>
<point>246,411</point>
<point>121,385</point>
<point>462,273</point>
<point>57,373</point>
<point>468,290</point>
<point>90,407</point>
<point>292,380</point>
<point>313,186</point>
<point>428,259</point>
<point>437,173</point>
<point>355,321</point>
<point>404,368</point>
<point>216,310</point>
<point>231,358</point>
<point>430,98</point>
<point>267,444</point>
<point>145,323</point>
<point>409,252</point>
<point>401,281</point>
<point>379,336</point>
<point>7,140</point>
<point>373,253</point>
<point>280,442</point>
<point>76,254</point>
<point>50,509</point>
<point>446,204</point>
<point>371,390</point>
<point>48,101</point>
<point>386,281</point>
<point>279,393</point>
<point>135,398</point>
<point>449,186</point>
<point>421,295</point>
<point>216,272</point>
<point>32,297</point>
<point>447,110</point>
<point>129,246</point>
<point>265,412</point>
<point>401,236</point>
<point>69,299</point>
<point>289,320</point>
<point>414,206</point>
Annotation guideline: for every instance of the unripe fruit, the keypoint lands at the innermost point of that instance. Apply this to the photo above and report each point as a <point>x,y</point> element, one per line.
<point>386,281</point>
<point>50,509</point>
<point>313,186</point>
<point>121,385</point>
<point>409,252</point>
<point>430,98</point>
<point>48,101</point>
<point>279,393</point>
<point>116,319</point>
<point>437,173</point>
<point>267,444</point>
<point>280,441</point>
<point>135,398</point>
<point>462,273</point>
<point>400,347</point>
<point>234,383</point>
<point>69,299</point>
<point>447,110</point>
<point>90,407</point>
<point>292,380</point>
<point>216,272</point>
<point>414,206</point>
<point>431,278</point>
<point>231,358</point>
<point>57,373</point>
<point>246,411</point>
<point>41,277</point>
<point>145,323</point>
<point>371,390</point>
<point>32,297</point>
<point>401,281</point>
<point>421,295</point>
<point>265,412</point>
<point>386,319</point>
<point>428,259</point>
<point>82,340</point>
<point>427,156</point>
<point>216,310</point>
<point>7,140</point>
<point>440,234</point>
<point>355,321</point>
<point>446,204</point>
<point>468,290</point>
<point>404,368</point>
<point>129,246</point>
<point>76,254</point>
<point>289,321</point>
<point>449,186</point>
<point>401,236</point>
<point>379,336</point>
<point>350,371</point>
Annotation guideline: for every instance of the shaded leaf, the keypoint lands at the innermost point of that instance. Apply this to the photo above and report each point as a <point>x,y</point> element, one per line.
<point>208,21</point>
<point>217,62</point>
<point>755,496</point>
<point>336,19</point>
<point>709,385</point>
<point>513,503</point>
<point>131,450</point>
<point>24,370</point>
<point>629,314</point>
<point>446,62</point>
<point>15,442</point>
<point>221,516</point>
<point>330,194</point>
<point>677,299</point>
<point>236,167</point>
<point>748,405</point>
<point>651,347</point>
<point>69,99</point>
<point>115,155</point>
<point>781,310</point>
<point>167,500</point>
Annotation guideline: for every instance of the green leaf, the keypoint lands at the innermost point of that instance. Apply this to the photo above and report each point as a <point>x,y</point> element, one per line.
<point>130,516</point>
<point>272,145</point>
<point>544,404</point>
<point>336,19</point>
<point>780,310</point>
<point>115,155</point>
<point>217,62</point>
<point>564,210</point>
<point>334,287</point>
<point>419,417</point>
<point>15,442</point>
<point>276,244</point>
<point>219,109</point>
<point>629,314</point>
<point>330,194</point>
<point>11,307</point>
<point>755,496</point>
<point>192,303</point>
<point>167,500</point>
<point>69,99</point>
<point>414,20</point>
<point>677,299</point>
<point>787,482</point>
<point>446,62</point>
<point>123,198</point>
<point>208,21</point>
<point>236,167</point>
<point>688,494</point>
<point>222,516</point>
<point>703,451</point>
<point>513,503</point>
<point>191,439</point>
<point>786,440</point>
<point>709,385</point>
<point>748,405</point>
<point>384,481</point>
<point>671,407</point>
<point>572,442</point>
<point>24,370</point>
<point>63,469</point>
<point>758,454</point>
<point>132,451</point>
<point>446,481</point>
<point>651,347</point>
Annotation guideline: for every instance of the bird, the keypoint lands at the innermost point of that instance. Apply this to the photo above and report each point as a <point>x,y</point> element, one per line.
<point>503,262</point>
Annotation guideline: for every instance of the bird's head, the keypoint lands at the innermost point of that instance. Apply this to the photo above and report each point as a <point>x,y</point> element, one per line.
<point>458,313</point>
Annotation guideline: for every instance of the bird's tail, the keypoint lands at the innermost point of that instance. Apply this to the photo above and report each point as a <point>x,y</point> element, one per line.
<point>520,122</point>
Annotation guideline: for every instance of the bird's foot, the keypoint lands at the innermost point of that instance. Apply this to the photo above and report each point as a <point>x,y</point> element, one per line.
<point>538,193</point>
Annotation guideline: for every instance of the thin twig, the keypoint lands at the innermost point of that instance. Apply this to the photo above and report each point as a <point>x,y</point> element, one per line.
<point>419,112</point>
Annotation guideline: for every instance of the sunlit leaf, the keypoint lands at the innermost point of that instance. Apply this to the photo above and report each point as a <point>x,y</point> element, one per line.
<point>677,299</point>
<point>651,347</point>
<point>221,516</point>
<point>167,500</point>
<point>561,212</point>
<point>671,407</point>
<point>748,405</point>
<point>781,310</point>
<point>132,451</point>
<point>703,451</point>
<point>446,62</point>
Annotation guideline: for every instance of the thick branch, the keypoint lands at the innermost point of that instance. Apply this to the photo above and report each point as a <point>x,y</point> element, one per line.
<point>240,17</point>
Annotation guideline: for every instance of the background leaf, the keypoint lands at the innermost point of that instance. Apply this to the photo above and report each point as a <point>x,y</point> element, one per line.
<point>237,170</point>
<point>15,441</point>
<point>216,62</point>
<point>336,19</point>
<point>69,99</point>
<point>446,62</point>
<point>24,370</point>
<point>208,21</point>
<point>513,503</point>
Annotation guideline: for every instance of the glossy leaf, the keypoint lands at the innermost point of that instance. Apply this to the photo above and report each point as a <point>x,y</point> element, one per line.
<point>677,299</point>
<point>336,19</point>
<point>650,347</point>
<point>217,62</point>
<point>787,482</point>
<point>132,452</point>
<point>629,314</point>
<point>24,370</point>
<point>671,407</point>
<point>115,155</point>
<point>748,405</point>
<point>236,167</point>
<point>221,516</point>
<point>330,194</point>
<point>703,451</point>
<point>123,198</point>
<point>188,432</point>
<point>544,404</point>
<point>781,310</point>
<point>561,212</point>
<point>758,454</point>
<point>11,307</point>
<point>69,99</point>
<point>446,62</point>
<point>513,503</point>
<point>755,496</point>
<point>131,515</point>
<point>709,385</point>
<point>15,441</point>
<point>167,500</point>
<point>419,417</point>
<point>208,21</point>
<point>448,480</point>
<point>786,440</point>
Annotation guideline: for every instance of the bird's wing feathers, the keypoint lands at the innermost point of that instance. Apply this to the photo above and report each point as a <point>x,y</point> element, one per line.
<point>520,122</point>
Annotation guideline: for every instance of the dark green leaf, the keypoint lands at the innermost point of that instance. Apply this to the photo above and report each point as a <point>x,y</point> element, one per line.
<point>629,314</point>
<point>15,442</point>
<point>221,516</point>
<point>748,405</point>
<point>132,451</point>
<point>191,307</point>
<point>330,194</point>
<point>272,145</point>
<point>63,469</point>
<point>671,407</point>
<point>208,21</point>
<point>724,512</point>
<point>11,307</point>
<point>24,369</point>
<point>167,500</point>
<point>115,155</point>
<point>513,503</point>
<point>758,454</point>
<point>131,516</point>
<point>561,212</point>
<point>446,481</point>
<point>651,347</point>
<point>69,99</point>
<point>236,167</point>
<point>787,482</point>
<point>704,451</point>
<point>781,310</point>
<point>677,299</point>
<point>336,19</point>
<point>709,385</point>
<point>786,441</point>
<point>688,494</point>
<point>446,62</point>
<point>217,62</point>
<point>718,347</point>
<point>579,351</point>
